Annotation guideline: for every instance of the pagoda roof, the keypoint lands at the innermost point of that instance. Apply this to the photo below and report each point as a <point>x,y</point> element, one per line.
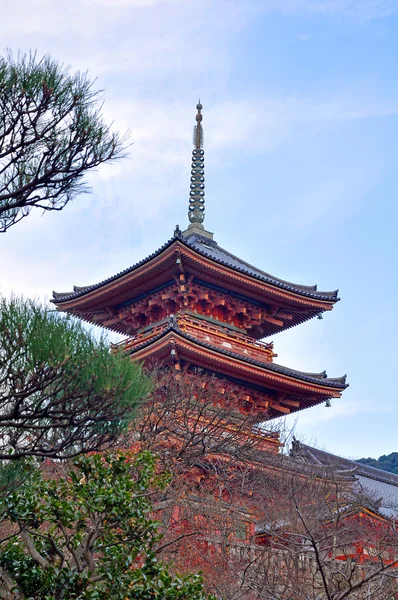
<point>271,375</point>
<point>211,249</point>
<point>317,378</point>
<point>201,247</point>
<point>207,248</point>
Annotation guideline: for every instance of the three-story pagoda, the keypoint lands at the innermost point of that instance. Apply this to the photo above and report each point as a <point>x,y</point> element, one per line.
<point>193,304</point>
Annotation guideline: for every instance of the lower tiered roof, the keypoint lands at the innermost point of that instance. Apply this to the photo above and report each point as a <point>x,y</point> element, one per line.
<point>293,390</point>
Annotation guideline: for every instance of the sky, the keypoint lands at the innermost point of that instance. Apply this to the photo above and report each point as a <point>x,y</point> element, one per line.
<point>300,118</point>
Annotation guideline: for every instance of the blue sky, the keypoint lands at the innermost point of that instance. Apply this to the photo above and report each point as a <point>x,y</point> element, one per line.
<point>301,125</point>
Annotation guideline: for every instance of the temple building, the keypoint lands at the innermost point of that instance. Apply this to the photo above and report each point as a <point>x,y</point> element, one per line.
<point>195,308</point>
<point>194,304</point>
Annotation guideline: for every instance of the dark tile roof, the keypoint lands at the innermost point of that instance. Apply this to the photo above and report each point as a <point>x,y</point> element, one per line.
<point>80,291</point>
<point>212,250</point>
<point>379,485</point>
<point>316,378</point>
<point>209,249</point>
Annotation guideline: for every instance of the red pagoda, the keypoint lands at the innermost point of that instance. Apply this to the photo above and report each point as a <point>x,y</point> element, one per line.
<point>195,308</point>
<point>193,304</point>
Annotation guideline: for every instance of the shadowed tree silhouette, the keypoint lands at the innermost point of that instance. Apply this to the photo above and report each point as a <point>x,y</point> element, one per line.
<point>51,135</point>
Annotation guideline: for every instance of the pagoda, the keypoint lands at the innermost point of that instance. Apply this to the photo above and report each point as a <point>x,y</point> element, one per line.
<point>193,305</point>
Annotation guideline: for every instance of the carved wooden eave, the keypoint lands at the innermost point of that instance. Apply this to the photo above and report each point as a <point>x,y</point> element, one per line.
<point>274,390</point>
<point>196,261</point>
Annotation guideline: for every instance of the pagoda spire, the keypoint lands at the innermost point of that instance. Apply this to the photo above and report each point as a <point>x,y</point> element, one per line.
<point>196,208</point>
<point>198,129</point>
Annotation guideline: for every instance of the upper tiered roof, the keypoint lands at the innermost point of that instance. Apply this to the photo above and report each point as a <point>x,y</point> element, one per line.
<point>209,264</point>
<point>194,252</point>
<point>208,249</point>
<point>211,249</point>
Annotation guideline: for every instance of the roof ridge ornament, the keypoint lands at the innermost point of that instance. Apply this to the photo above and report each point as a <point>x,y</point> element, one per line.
<point>196,209</point>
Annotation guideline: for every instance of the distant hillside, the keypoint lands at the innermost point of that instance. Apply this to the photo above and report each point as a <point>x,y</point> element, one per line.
<point>385,463</point>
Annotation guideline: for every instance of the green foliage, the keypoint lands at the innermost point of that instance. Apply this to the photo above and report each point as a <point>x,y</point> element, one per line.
<point>12,473</point>
<point>51,134</point>
<point>63,392</point>
<point>385,462</point>
<point>90,535</point>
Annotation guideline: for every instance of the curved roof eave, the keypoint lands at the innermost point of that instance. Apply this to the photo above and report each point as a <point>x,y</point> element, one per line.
<point>314,378</point>
<point>211,251</point>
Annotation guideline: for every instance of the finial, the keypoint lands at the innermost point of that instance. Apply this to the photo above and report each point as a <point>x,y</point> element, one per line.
<point>196,212</point>
<point>198,129</point>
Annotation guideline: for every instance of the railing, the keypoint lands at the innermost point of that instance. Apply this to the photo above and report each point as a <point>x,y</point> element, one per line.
<point>235,342</point>
<point>206,332</point>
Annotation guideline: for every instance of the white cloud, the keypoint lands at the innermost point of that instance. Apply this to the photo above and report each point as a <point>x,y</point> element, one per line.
<point>115,35</point>
<point>140,4</point>
<point>123,36</point>
<point>362,9</point>
<point>134,194</point>
<point>340,409</point>
<point>154,58</point>
<point>244,123</point>
<point>147,52</point>
<point>351,9</point>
